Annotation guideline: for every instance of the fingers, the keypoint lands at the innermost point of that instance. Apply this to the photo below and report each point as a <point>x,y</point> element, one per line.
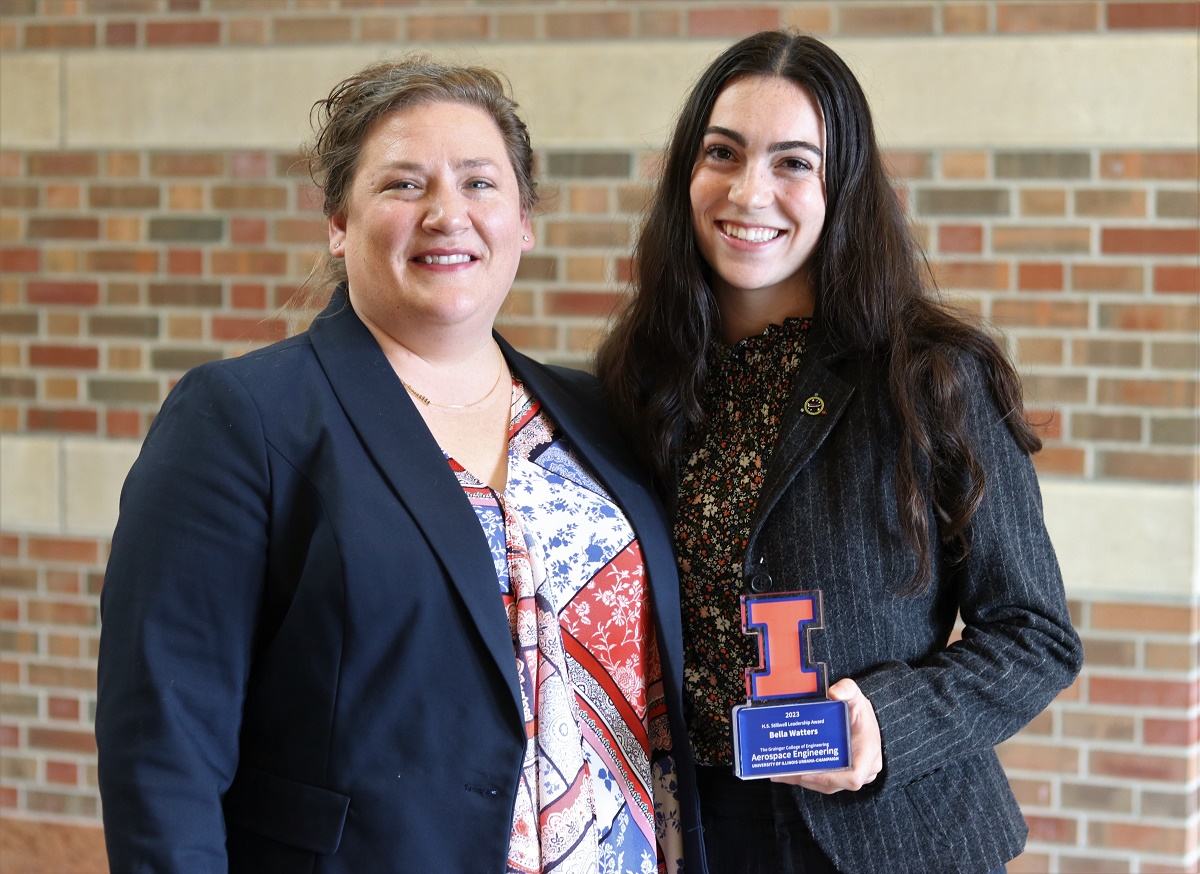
<point>866,746</point>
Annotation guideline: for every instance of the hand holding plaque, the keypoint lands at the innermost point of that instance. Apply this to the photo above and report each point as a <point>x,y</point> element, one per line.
<point>788,725</point>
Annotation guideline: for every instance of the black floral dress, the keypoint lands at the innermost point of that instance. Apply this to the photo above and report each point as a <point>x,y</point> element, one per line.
<point>723,467</point>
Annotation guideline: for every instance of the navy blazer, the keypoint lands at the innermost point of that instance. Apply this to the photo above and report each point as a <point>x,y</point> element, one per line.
<point>305,662</point>
<point>826,518</point>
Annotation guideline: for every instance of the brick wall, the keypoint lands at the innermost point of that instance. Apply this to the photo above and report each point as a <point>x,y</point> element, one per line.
<point>122,267</point>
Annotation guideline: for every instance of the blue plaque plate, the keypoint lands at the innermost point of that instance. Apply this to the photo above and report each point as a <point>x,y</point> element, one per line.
<point>774,740</point>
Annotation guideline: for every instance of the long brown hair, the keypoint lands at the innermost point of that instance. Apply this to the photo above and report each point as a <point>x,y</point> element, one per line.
<point>874,298</point>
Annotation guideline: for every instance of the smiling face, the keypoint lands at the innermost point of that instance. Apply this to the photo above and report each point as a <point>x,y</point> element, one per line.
<point>433,228</point>
<point>758,195</point>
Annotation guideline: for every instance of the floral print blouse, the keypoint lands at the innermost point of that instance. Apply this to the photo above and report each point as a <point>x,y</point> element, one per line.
<point>597,791</point>
<point>724,463</point>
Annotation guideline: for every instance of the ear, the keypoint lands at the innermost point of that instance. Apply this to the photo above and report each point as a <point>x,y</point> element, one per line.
<point>337,235</point>
<point>527,239</point>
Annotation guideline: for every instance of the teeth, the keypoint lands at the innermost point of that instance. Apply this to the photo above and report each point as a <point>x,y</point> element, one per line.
<point>444,259</point>
<point>750,235</point>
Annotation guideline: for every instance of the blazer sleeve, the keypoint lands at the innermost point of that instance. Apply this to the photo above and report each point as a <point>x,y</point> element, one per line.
<point>1018,648</point>
<point>180,603</point>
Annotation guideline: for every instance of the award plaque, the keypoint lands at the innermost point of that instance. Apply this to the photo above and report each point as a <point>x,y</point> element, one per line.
<point>787,725</point>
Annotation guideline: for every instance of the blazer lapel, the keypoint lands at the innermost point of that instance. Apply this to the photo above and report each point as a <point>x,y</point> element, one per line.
<point>818,401</point>
<point>396,437</point>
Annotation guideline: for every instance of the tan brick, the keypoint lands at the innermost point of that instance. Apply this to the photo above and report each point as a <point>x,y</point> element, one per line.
<point>1051,758</point>
<point>1177,204</point>
<point>1150,317</point>
<point>1047,17</point>
<point>1043,202</point>
<point>1040,313</point>
<point>1122,616</point>
<point>812,17</point>
<point>1107,353</point>
<point>587,234</point>
<point>1179,393</point>
<point>958,18</point>
<point>1040,350</point>
<point>964,165</point>
<point>1106,277</point>
<point>1052,389</point>
<point>1110,202</point>
<point>441,28</point>
<point>731,20</point>
<point>1043,165</point>
<point>859,19</point>
<point>1183,467</point>
<point>1046,239</point>
<point>517,26</point>
<point>1150,165</point>
<point>1158,839</point>
<point>335,29</point>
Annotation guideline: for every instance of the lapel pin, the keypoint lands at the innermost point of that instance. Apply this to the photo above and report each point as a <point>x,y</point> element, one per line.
<point>814,406</point>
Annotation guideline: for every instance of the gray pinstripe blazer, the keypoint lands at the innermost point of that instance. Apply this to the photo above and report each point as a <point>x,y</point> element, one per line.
<point>827,519</point>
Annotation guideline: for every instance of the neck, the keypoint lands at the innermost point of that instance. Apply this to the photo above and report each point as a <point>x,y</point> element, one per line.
<point>746,313</point>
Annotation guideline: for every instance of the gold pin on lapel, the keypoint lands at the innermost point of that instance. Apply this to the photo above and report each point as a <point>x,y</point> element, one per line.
<point>814,406</point>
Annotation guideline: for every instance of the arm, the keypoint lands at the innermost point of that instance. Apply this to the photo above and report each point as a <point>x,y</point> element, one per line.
<point>1018,649</point>
<point>180,605</point>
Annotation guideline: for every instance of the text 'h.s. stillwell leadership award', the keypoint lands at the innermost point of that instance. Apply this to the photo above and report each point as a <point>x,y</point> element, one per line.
<point>787,725</point>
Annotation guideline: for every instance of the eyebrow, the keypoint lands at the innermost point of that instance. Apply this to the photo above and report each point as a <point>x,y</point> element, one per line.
<point>785,146</point>
<point>464,164</point>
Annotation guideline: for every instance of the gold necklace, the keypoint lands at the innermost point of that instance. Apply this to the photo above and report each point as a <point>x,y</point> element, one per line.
<point>427,402</point>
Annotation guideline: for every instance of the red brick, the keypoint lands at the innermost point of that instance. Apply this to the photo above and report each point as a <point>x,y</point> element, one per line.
<point>61,739</point>
<point>1043,17</point>
<point>61,613</point>
<point>1142,692</point>
<point>176,33</point>
<point>60,36</point>
<point>581,303</point>
<point>248,230</point>
<point>1144,15</point>
<point>187,164</point>
<point>1157,839</point>
<point>235,330</point>
<point>1173,278</point>
<point>185,262</point>
<point>886,19</point>
<point>1060,461</point>
<point>122,261</point>
<point>435,28</point>
<point>63,164</point>
<point>731,20</point>
<point>1051,829</point>
<point>1150,241</point>
<point>62,773</point>
<point>62,549</point>
<point>123,423</point>
<point>1171,732</point>
<point>960,239</point>
<point>1150,165</point>
<point>71,293</point>
<point>1147,392</point>
<point>10,736</point>
<point>1040,277</point>
<point>1150,317</point>
<point>245,296</point>
<point>59,707</point>
<point>973,275</point>
<point>1104,277</point>
<point>249,263</point>
<point>308,231</point>
<point>120,34</point>
<point>1040,313</point>
<point>75,421</point>
<point>1150,466</point>
<point>62,677</point>
<point>19,260</point>
<point>64,356</point>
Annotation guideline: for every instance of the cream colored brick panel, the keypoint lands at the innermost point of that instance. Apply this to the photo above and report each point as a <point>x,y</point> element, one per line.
<point>1113,90</point>
<point>93,474</point>
<point>29,484</point>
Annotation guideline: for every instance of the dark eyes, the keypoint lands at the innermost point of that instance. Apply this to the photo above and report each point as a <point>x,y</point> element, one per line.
<point>720,153</point>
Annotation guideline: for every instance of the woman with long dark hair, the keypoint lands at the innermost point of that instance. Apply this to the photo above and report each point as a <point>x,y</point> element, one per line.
<point>819,419</point>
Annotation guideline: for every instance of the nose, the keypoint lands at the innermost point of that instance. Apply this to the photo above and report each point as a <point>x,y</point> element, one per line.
<point>751,188</point>
<point>446,212</point>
